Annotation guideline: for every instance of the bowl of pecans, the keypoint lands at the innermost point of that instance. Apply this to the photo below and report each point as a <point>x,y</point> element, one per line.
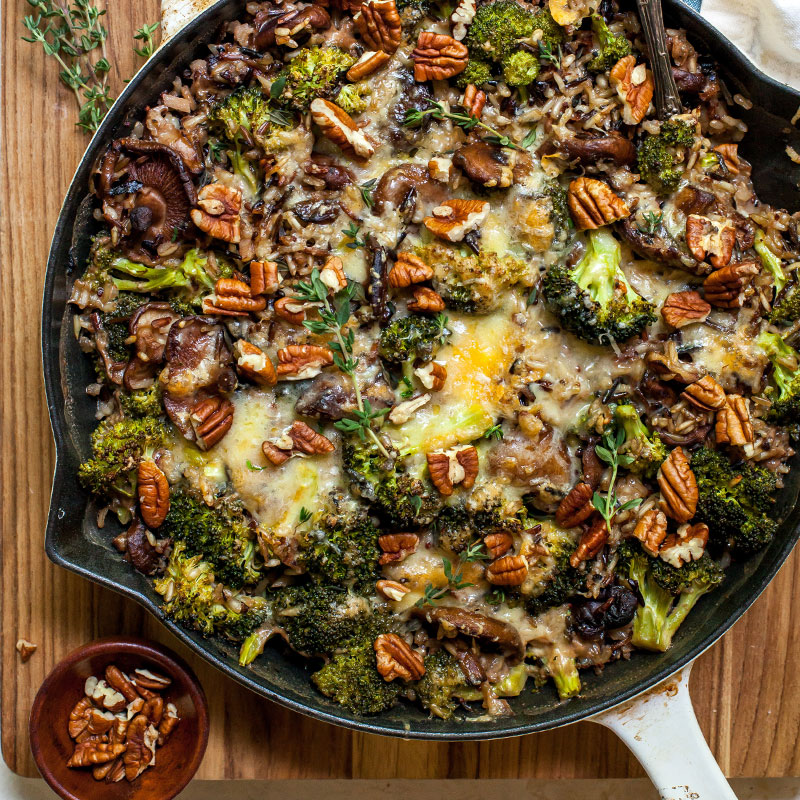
<point>119,718</point>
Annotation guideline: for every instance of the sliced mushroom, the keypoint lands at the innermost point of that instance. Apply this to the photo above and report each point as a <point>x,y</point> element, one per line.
<point>328,397</point>
<point>143,554</point>
<point>151,325</point>
<point>659,246</point>
<point>590,150</point>
<point>400,186</point>
<point>301,22</point>
<point>413,97</point>
<point>453,620</point>
<point>139,375</point>
<point>316,210</point>
<point>692,200</point>
<point>470,666</point>
<point>378,282</point>
<point>486,164</point>
<point>334,175</point>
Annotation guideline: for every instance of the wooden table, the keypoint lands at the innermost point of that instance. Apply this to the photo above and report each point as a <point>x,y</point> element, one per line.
<point>746,689</point>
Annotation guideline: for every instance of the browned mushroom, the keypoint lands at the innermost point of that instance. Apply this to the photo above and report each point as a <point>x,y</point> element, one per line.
<point>328,397</point>
<point>658,246</point>
<point>400,186</point>
<point>326,169</point>
<point>689,82</point>
<point>413,97</point>
<point>470,666</point>
<point>139,375</point>
<point>486,164</point>
<point>590,150</point>
<point>692,200</point>
<point>301,22</point>
<point>143,554</point>
<point>453,620</point>
<point>151,325</point>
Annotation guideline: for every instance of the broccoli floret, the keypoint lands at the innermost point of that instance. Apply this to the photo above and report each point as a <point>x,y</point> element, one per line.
<point>786,308</point>
<point>192,597</point>
<point>351,98</point>
<point>477,72</point>
<point>521,68</point>
<point>611,48</point>
<point>415,337</point>
<point>564,672</point>
<point>313,72</point>
<point>222,535</point>
<point>667,593</point>
<point>734,501</point>
<point>593,299</point>
<point>646,449</point>
<point>142,402</point>
<point>770,261</point>
<point>352,680</point>
<point>660,156</point>
<point>189,274</point>
<point>556,580</point>
<point>443,677</point>
<point>117,449</point>
<point>469,282</point>
<point>459,526</point>
<point>784,393</point>
<point>115,324</point>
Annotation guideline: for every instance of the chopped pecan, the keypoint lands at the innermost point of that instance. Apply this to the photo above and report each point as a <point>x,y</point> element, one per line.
<point>592,542</point>
<point>379,25</point>
<point>92,752</point>
<point>146,679</point>
<point>408,269</point>
<point>153,490</point>
<point>678,487</point>
<point>119,680</point>
<point>432,375</point>
<point>79,717</point>
<point>730,155</point>
<point>338,126</point>
<point>332,274</point>
<point>105,696</point>
<point>709,237</point>
<point>168,724</point>
<point>455,218</point>
<point>403,412</point>
<point>253,363</point>
<point>211,419</point>
<point>154,710</point>
<point>474,101</point>
<point>426,300</point>
<point>275,454</point>
<point>684,308</point>
<point>507,571</point>
<point>291,310</point>
<point>724,287</point>
<point>685,546</point>
<point>264,277</point>
<point>634,85</point>
<point>706,394</point>
<point>438,56</point>
<point>395,659</point>
<point>232,287</point>
<point>301,361</point>
<point>651,530</point>
<point>440,168</point>
<point>448,468</point>
<point>397,546</point>
<point>25,649</point>
<point>392,590</point>
<point>218,212</point>
<point>308,441</point>
<point>371,61</point>
<point>139,746</point>
<point>734,426</point>
<point>498,544</point>
<point>594,204</point>
<point>576,507</point>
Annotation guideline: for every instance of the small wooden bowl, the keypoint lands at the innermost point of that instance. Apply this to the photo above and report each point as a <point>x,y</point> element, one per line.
<point>176,762</point>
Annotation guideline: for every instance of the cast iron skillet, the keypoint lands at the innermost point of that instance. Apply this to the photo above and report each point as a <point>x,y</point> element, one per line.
<point>74,541</point>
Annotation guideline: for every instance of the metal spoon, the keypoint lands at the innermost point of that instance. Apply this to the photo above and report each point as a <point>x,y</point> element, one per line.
<point>667,99</point>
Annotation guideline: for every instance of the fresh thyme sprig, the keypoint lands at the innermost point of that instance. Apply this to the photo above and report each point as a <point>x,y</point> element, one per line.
<point>351,232</point>
<point>495,432</point>
<point>332,321</point>
<point>439,112</point>
<point>366,189</point>
<point>455,581</point>
<point>146,35</point>
<point>608,451</point>
<point>652,222</point>
<point>546,54</point>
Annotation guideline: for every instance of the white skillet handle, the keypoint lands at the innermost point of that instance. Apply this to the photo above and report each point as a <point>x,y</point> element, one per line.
<point>660,728</point>
<point>177,13</point>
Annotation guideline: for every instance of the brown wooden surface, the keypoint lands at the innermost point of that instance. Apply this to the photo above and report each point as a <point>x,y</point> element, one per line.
<point>746,689</point>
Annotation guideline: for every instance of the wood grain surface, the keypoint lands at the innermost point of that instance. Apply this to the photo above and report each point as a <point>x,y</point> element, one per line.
<point>746,689</point>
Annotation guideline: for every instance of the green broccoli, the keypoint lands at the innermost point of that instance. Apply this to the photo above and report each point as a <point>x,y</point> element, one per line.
<point>521,68</point>
<point>351,98</point>
<point>413,337</point>
<point>115,324</point>
<point>661,155</point>
<point>142,402</point>
<point>786,308</point>
<point>770,261</point>
<point>458,526</point>
<point>477,72</point>
<point>313,72</point>
<point>784,393</point>
<point>563,670</point>
<point>352,680</point>
<point>556,580</point>
<point>611,48</point>
<point>593,299</point>
<point>222,535</point>
<point>443,677</point>
<point>559,210</point>
<point>412,12</point>
<point>190,274</point>
<point>734,501</point>
<point>667,593</point>
<point>645,448</point>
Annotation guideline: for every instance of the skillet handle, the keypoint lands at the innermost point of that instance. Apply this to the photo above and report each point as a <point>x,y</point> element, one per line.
<point>660,728</point>
<point>177,13</point>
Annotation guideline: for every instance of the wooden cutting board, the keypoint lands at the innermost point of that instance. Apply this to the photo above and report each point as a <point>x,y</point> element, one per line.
<point>746,688</point>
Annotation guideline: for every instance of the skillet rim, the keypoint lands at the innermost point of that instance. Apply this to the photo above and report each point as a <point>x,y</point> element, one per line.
<point>768,566</point>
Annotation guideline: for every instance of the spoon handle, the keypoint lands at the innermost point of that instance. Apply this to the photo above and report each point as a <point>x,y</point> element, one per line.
<point>667,99</point>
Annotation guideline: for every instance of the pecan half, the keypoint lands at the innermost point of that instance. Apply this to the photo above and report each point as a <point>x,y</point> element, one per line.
<point>308,441</point>
<point>117,678</point>
<point>90,753</point>
<point>338,126</point>
<point>715,238</point>
<point>651,530</point>
<point>274,454</point>
<point>734,426</point>
<point>106,696</point>
<point>234,298</point>
<point>139,747</point>
<point>403,412</point>
<point>685,546</point>
<point>218,212</point>
<point>392,590</point>
<point>146,679</point>
<point>253,363</point>
<point>395,659</point>
<point>448,468</point>
<point>730,155</point>
<point>291,310</point>
<point>154,710</point>
<point>705,394</point>
<point>211,419</point>
<point>432,375</point>
<point>426,300</point>
<point>168,724</point>
<point>678,486</point>
<point>594,204</point>
<point>264,277</point>
<point>592,542</point>
<point>634,85</point>
<point>397,546</point>
<point>684,308</point>
<point>455,218</point>
<point>371,61</point>
<point>408,269</point>
<point>380,26</point>
<point>301,361</point>
<point>474,101</point>
<point>153,490</point>
<point>332,274</point>
<point>438,56</point>
<point>724,287</point>
<point>498,544</point>
<point>79,717</point>
<point>507,571</point>
<point>576,507</point>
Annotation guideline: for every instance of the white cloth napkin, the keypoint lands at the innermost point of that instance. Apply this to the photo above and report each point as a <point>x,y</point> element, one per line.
<point>767,31</point>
